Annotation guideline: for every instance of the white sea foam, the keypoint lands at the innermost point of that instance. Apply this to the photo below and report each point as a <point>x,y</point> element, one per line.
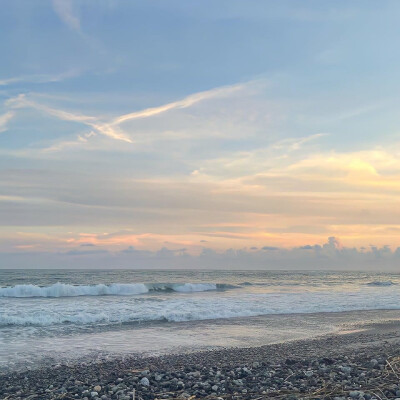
<point>65,290</point>
<point>132,309</point>
<point>39,319</point>
<point>117,303</point>
<point>172,313</point>
<point>116,289</point>
<point>194,287</point>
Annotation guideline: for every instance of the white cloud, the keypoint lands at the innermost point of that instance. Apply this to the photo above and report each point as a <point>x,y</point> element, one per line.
<point>111,127</point>
<point>271,158</point>
<point>81,139</point>
<point>40,78</point>
<point>106,129</point>
<point>5,119</point>
<point>184,103</point>
<point>66,12</point>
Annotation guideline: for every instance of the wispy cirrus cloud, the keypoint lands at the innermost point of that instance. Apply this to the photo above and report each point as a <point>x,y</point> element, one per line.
<point>271,158</point>
<point>40,78</point>
<point>5,119</point>
<point>106,129</point>
<point>184,103</point>
<point>65,10</point>
<point>80,140</point>
<point>111,127</point>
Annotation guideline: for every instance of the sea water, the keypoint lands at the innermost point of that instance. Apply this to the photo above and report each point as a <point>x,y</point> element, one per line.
<point>64,315</point>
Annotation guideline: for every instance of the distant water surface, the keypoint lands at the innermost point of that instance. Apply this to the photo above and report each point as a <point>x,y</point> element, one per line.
<point>60,315</point>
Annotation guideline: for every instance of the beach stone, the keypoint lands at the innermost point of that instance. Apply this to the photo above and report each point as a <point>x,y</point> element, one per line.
<point>345,370</point>
<point>237,378</point>
<point>145,382</point>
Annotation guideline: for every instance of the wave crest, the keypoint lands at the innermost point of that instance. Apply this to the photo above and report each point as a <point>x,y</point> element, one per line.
<point>114,289</point>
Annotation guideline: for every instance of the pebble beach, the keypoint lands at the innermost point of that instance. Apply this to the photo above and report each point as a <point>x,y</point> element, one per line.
<point>362,365</point>
<point>199,200</point>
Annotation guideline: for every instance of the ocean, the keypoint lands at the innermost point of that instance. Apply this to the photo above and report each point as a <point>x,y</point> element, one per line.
<point>61,316</point>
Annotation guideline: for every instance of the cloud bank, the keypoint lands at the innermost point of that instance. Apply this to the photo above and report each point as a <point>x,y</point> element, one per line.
<point>331,255</point>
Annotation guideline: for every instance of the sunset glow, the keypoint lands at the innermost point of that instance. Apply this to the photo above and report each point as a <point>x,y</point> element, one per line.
<point>106,147</point>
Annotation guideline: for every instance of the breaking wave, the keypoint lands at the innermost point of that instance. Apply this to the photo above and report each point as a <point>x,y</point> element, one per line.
<point>193,308</point>
<point>114,289</point>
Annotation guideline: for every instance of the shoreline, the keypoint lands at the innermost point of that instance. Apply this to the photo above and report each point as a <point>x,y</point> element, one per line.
<point>153,339</point>
<point>341,364</point>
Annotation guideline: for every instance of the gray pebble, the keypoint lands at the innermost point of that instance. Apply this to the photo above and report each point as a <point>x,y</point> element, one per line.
<point>145,382</point>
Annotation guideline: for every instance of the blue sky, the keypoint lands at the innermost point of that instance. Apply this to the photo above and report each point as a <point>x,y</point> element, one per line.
<point>203,126</point>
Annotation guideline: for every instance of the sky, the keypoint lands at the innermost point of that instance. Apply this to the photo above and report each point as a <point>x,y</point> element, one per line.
<point>200,134</point>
